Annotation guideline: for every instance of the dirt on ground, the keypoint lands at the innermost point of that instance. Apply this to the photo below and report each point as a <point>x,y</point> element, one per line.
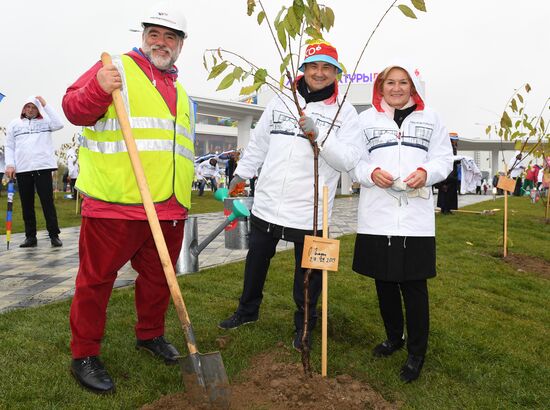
<point>526,263</point>
<point>271,382</point>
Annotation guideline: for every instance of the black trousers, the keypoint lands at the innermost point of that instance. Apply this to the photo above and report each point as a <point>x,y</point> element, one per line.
<point>42,181</point>
<point>261,249</point>
<point>202,184</point>
<point>415,297</point>
<point>73,190</point>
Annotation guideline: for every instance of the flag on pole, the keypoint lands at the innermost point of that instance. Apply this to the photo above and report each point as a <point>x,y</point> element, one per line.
<point>11,193</point>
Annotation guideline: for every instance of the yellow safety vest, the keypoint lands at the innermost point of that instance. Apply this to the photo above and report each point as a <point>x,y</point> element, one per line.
<point>165,144</point>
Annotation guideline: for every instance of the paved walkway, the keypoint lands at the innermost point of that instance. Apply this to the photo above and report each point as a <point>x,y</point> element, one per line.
<point>34,276</point>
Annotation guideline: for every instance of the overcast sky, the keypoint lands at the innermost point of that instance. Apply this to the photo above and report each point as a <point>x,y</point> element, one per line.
<point>471,54</point>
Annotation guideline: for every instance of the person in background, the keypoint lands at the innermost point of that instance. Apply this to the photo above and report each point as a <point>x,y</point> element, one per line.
<point>447,190</point>
<point>2,168</point>
<point>114,226</point>
<point>31,160</point>
<point>208,170</point>
<point>72,168</point>
<point>406,150</point>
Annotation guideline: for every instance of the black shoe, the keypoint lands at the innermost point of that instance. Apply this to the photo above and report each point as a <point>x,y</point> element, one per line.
<point>387,348</point>
<point>91,374</point>
<point>56,242</point>
<point>236,320</point>
<point>297,342</point>
<point>411,369</point>
<point>161,348</point>
<point>30,242</point>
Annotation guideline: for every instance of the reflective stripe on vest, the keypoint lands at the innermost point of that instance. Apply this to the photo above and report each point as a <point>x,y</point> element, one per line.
<point>165,144</point>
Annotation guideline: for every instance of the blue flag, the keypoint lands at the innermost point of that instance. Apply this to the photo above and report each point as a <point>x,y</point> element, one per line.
<point>1,96</point>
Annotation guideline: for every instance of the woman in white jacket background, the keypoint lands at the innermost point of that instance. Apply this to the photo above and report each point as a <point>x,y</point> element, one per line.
<point>406,150</point>
<point>30,159</point>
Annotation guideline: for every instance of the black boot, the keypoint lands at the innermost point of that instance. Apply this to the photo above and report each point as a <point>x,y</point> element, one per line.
<point>91,374</point>
<point>411,369</point>
<point>30,242</point>
<point>387,348</point>
<point>161,348</point>
<point>55,241</point>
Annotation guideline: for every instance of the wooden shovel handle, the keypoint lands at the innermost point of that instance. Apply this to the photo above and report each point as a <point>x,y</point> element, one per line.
<point>152,217</point>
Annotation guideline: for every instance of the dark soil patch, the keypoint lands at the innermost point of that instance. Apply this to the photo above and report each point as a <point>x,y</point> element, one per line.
<point>526,263</point>
<point>272,383</point>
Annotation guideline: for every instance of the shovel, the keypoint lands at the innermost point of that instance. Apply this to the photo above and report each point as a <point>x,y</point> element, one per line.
<point>204,375</point>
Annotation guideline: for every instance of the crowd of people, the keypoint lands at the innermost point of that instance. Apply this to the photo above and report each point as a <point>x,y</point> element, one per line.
<point>397,151</point>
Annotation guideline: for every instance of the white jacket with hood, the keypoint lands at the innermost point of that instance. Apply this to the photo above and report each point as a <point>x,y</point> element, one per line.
<point>284,191</point>
<point>421,142</point>
<point>29,145</point>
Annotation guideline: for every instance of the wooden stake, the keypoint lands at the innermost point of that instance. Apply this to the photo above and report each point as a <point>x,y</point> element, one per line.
<point>77,201</point>
<point>505,250</point>
<point>324,327</point>
<point>547,204</point>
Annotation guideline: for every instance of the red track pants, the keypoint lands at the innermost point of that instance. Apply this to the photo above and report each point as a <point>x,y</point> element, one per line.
<point>105,247</point>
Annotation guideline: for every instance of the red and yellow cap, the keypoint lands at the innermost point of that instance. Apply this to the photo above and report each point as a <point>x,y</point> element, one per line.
<point>321,51</point>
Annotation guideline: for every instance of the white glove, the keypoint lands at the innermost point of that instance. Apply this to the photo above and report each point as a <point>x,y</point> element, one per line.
<point>308,126</point>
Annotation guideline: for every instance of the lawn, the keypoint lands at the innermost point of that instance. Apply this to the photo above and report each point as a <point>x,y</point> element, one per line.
<point>67,216</point>
<point>490,327</point>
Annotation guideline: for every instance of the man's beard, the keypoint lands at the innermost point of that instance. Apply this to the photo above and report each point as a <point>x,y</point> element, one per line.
<point>161,62</point>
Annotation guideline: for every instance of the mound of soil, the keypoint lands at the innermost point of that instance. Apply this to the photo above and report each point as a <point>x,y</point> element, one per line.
<point>273,383</point>
<point>526,263</point>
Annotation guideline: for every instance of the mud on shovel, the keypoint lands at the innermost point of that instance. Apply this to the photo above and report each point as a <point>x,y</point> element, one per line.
<point>204,375</point>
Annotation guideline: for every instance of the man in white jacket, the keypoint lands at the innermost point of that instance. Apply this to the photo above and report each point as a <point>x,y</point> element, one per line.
<point>30,158</point>
<point>208,170</point>
<point>283,200</point>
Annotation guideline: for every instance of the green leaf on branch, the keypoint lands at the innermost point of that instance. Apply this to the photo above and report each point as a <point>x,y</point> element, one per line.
<point>314,33</point>
<point>527,87</point>
<point>261,17</point>
<point>220,53</point>
<point>520,98</point>
<point>488,130</point>
<point>505,121</point>
<point>285,62</point>
<point>419,4</point>
<point>217,70</point>
<point>260,76</point>
<point>237,73</point>
<point>282,82</point>
<point>250,89</point>
<point>292,24</point>
<point>298,7</point>
<point>330,18</point>
<point>514,105</point>
<point>204,62</point>
<point>281,35</point>
<point>517,124</point>
<point>226,82</point>
<point>406,10</point>
<point>541,124</point>
<point>251,4</point>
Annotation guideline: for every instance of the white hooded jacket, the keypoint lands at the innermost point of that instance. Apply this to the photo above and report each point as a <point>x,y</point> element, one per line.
<point>421,142</point>
<point>284,192</point>
<point>29,145</point>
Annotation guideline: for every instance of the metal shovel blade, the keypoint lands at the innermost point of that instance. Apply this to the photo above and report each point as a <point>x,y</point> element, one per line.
<point>205,379</point>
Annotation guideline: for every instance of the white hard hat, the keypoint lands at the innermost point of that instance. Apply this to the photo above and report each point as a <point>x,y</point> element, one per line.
<point>166,14</point>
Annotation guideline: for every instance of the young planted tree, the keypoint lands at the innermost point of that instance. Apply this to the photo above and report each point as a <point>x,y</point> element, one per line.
<point>525,128</point>
<point>302,23</point>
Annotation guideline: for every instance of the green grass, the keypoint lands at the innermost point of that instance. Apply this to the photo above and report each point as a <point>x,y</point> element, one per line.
<point>67,216</point>
<point>489,343</point>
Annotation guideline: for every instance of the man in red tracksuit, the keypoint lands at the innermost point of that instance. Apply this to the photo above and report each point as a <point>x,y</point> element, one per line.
<point>112,233</point>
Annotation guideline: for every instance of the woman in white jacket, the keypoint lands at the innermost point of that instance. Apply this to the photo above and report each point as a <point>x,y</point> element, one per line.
<point>30,159</point>
<point>406,151</point>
